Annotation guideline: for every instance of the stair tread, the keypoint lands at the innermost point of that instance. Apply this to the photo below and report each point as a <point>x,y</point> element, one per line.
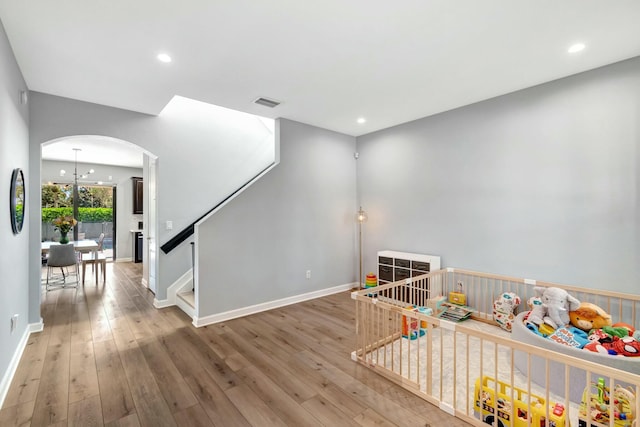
<point>188,297</point>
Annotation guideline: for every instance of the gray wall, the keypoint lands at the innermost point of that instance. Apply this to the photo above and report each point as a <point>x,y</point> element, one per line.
<point>121,178</point>
<point>201,159</point>
<point>541,183</point>
<point>298,217</point>
<point>14,153</point>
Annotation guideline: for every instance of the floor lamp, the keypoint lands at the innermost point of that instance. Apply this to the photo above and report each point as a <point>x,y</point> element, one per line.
<point>361,217</point>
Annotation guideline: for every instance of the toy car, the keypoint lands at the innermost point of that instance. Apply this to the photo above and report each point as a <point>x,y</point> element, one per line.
<point>513,414</point>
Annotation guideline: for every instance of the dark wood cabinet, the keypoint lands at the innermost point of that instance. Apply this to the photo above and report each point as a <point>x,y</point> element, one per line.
<point>138,192</point>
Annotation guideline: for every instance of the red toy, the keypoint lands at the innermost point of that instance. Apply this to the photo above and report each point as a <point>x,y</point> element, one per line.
<point>626,346</point>
<point>558,409</point>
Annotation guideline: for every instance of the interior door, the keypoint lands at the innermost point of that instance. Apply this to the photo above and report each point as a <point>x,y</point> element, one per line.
<point>150,261</point>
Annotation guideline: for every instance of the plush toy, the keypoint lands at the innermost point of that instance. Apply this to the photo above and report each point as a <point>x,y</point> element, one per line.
<point>627,326</point>
<point>555,307</point>
<point>615,332</point>
<point>533,301</point>
<point>589,316</point>
<point>626,346</point>
<point>503,309</point>
<point>598,335</point>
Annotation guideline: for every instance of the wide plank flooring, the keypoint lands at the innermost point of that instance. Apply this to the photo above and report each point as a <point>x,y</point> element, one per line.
<point>107,357</point>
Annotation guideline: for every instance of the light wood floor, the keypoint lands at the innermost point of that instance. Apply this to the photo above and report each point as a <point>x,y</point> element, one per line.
<point>107,357</point>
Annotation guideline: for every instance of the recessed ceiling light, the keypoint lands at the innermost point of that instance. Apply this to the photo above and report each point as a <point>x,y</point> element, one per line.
<point>361,120</point>
<point>576,48</point>
<point>163,57</point>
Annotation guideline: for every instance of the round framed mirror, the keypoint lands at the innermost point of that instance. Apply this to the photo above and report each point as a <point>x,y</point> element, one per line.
<point>17,200</point>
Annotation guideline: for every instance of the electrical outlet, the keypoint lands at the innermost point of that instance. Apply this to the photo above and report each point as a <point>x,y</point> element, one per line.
<point>169,225</point>
<point>308,274</point>
<point>14,322</point>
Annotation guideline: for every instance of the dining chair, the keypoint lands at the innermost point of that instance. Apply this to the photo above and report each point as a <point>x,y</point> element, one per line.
<point>97,260</point>
<point>63,257</point>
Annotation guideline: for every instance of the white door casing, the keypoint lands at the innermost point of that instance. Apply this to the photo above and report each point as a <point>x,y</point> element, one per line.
<point>150,245</point>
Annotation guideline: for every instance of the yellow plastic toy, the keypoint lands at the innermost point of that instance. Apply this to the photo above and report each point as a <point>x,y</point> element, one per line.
<point>596,404</point>
<point>516,414</point>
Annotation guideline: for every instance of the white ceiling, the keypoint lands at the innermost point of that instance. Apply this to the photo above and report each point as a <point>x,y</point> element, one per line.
<point>329,61</point>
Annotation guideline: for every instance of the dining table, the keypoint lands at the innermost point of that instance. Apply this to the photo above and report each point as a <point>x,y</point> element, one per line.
<point>82,246</point>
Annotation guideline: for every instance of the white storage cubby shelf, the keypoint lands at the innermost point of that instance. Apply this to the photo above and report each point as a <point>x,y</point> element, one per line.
<point>394,266</point>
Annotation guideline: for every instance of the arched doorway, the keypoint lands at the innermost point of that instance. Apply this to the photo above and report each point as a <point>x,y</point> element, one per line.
<point>94,161</point>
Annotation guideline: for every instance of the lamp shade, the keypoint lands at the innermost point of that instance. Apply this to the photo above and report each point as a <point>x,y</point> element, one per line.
<point>361,216</point>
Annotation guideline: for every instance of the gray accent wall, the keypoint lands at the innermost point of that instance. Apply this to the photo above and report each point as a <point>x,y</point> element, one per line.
<point>300,216</point>
<point>542,183</point>
<point>14,259</point>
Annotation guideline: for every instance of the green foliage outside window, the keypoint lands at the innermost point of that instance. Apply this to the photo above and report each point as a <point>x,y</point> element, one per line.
<point>95,203</point>
<point>85,214</point>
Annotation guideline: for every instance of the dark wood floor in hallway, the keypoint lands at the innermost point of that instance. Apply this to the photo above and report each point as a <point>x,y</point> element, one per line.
<point>108,357</point>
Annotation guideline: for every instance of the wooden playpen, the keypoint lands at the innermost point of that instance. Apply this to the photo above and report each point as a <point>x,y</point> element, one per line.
<point>443,361</point>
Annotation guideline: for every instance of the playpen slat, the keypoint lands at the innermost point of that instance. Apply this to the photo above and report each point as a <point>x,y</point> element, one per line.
<point>513,414</point>
<point>529,388</point>
<point>611,401</point>
<point>429,356</point>
<point>385,328</point>
<point>637,390</point>
<point>547,377</point>
<point>455,367</point>
<point>567,406</point>
<point>467,375</point>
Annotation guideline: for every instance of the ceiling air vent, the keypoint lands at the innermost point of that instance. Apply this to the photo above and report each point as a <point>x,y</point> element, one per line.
<point>267,102</point>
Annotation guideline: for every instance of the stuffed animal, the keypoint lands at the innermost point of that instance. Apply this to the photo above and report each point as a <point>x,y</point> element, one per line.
<point>615,332</point>
<point>627,326</point>
<point>503,309</point>
<point>589,316</point>
<point>626,346</point>
<point>555,307</point>
<point>531,302</point>
<point>598,335</point>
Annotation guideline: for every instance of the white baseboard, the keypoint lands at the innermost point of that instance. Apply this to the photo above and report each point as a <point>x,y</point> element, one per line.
<point>124,259</point>
<point>161,303</point>
<point>36,327</point>
<point>183,282</point>
<point>245,311</point>
<point>15,360</point>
